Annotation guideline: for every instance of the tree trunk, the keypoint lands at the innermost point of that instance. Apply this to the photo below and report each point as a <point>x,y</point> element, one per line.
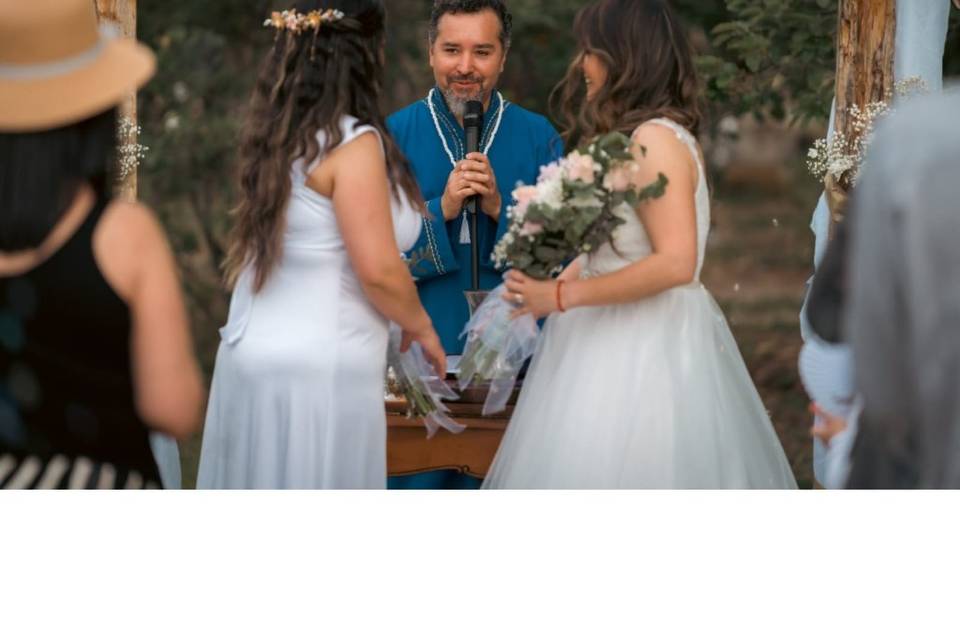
<point>866,38</point>
<point>123,14</point>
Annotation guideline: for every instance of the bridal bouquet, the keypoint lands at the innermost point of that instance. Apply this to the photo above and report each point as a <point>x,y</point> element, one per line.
<point>411,377</point>
<point>572,210</point>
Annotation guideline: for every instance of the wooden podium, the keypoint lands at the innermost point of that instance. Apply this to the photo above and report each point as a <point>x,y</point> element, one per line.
<point>470,452</point>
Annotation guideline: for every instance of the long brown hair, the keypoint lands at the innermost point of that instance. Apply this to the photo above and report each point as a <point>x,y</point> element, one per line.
<point>307,83</point>
<point>650,71</point>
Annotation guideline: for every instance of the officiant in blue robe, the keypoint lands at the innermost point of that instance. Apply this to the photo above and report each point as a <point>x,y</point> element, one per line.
<point>469,42</point>
<point>519,143</point>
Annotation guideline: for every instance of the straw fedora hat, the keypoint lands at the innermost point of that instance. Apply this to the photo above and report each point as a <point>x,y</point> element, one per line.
<point>57,67</point>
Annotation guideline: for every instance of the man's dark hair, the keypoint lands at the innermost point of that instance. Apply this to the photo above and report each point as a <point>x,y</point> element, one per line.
<point>443,7</point>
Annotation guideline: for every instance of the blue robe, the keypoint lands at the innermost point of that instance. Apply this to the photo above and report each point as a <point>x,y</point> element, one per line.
<point>439,261</point>
<point>441,264</point>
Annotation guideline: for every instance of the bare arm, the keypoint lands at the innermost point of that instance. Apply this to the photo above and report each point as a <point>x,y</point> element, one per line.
<point>356,174</point>
<point>134,256</point>
<point>670,222</point>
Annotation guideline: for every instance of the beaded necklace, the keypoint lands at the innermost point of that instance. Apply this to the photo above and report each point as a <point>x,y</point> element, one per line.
<point>485,147</point>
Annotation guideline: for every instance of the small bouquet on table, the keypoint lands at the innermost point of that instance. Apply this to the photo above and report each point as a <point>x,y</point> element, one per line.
<point>411,377</point>
<point>572,210</point>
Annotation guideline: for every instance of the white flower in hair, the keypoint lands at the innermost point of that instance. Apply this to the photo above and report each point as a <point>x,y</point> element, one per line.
<point>295,22</point>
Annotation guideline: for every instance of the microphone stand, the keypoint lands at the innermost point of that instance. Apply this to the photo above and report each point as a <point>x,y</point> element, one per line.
<point>472,126</point>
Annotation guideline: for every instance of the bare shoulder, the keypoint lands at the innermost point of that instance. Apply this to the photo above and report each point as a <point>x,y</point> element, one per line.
<point>364,151</point>
<point>664,148</point>
<point>364,147</point>
<point>659,137</point>
<point>131,220</point>
<point>128,240</point>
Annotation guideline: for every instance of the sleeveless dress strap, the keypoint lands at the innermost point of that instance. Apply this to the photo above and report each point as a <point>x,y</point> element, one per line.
<point>682,134</point>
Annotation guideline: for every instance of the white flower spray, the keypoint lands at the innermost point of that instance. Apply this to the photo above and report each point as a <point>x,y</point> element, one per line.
<point>840,158</point>
<point>129,151</point>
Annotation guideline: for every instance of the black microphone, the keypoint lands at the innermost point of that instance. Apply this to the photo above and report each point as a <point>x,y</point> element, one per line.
<point>472,125</point>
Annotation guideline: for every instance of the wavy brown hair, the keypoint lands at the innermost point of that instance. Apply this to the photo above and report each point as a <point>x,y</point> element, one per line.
<point>307,83</point>
<point>650,71</point>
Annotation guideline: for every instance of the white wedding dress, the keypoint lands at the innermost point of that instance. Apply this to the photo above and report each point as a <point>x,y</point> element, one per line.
<point>648,395</point>
<point>297,394</point>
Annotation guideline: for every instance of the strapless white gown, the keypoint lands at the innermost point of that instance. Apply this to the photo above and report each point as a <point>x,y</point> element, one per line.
<point>297,394</point>
<point>652,394</point>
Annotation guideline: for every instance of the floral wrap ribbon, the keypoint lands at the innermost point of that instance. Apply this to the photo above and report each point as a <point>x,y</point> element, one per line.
<point>496,349</point>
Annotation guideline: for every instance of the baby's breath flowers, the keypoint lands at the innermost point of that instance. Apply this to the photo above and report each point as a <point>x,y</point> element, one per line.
<point>129,151</point>
<point>837,158</point>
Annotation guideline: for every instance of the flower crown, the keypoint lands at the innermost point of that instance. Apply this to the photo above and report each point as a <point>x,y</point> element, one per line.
<point>296,22</point>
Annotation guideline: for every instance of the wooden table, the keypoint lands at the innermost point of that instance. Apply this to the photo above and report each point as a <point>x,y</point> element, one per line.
<point>470,452</point>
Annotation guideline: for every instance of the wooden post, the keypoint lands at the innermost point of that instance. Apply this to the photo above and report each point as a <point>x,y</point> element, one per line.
<point>866,40</point>
<point>123,14</point>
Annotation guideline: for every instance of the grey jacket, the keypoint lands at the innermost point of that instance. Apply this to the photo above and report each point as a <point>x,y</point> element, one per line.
<point>903,318</point>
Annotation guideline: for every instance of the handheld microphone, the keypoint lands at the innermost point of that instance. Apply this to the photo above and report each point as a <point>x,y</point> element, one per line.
<point>472,124</point>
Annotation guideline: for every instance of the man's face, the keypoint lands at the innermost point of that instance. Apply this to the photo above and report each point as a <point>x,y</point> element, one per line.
<point>467,57</point>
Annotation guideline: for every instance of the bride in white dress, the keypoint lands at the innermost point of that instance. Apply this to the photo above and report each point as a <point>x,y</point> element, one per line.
<point>297,394</point>
<point>637,382</point>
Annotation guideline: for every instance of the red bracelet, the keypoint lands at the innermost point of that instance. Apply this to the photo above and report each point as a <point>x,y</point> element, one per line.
<point>560,307</point>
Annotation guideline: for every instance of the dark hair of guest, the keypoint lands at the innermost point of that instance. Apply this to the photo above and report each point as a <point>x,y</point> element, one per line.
<point>41,172</point>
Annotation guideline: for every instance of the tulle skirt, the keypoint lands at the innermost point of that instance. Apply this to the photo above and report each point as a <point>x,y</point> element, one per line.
<point>647,395</point>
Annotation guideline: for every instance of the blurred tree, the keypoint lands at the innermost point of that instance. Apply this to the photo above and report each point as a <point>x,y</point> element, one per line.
<point>776,58</point>
<point>773,58</point>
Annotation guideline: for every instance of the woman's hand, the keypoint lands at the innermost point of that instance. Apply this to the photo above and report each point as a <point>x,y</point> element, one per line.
<point>827,425</point>
<point>432,348</point>
<point>529,295</point>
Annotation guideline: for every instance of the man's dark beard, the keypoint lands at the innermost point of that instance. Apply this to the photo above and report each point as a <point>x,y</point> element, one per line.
<point>457,104</point>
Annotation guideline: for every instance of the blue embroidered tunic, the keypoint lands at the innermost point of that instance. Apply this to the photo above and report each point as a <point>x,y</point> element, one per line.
<point>520,143</point>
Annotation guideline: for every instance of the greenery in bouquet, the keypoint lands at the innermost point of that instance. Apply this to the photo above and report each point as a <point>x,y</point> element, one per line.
<point>418,400</point>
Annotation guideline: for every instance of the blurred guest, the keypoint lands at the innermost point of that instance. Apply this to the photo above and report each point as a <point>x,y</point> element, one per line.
<point>826,364</point>
<point>904,314</point>
<point>94,342</point>
<point>921,36</point>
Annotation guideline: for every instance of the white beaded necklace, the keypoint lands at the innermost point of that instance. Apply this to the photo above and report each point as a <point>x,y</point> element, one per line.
<point>465,226</point>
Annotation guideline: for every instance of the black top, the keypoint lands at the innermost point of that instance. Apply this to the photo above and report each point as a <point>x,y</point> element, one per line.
<point>66,384</point>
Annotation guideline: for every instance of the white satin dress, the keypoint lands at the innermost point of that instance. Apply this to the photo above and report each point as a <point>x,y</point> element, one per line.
<point>296,400</point>
<point>648,395</point>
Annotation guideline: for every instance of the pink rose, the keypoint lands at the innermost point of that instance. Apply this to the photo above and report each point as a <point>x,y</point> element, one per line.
<point>549,172</point>
<point>618,179</point>
<point>579,167</point>
<point>524,196</point>
<point>530,229</point>
<point>636,175</point>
